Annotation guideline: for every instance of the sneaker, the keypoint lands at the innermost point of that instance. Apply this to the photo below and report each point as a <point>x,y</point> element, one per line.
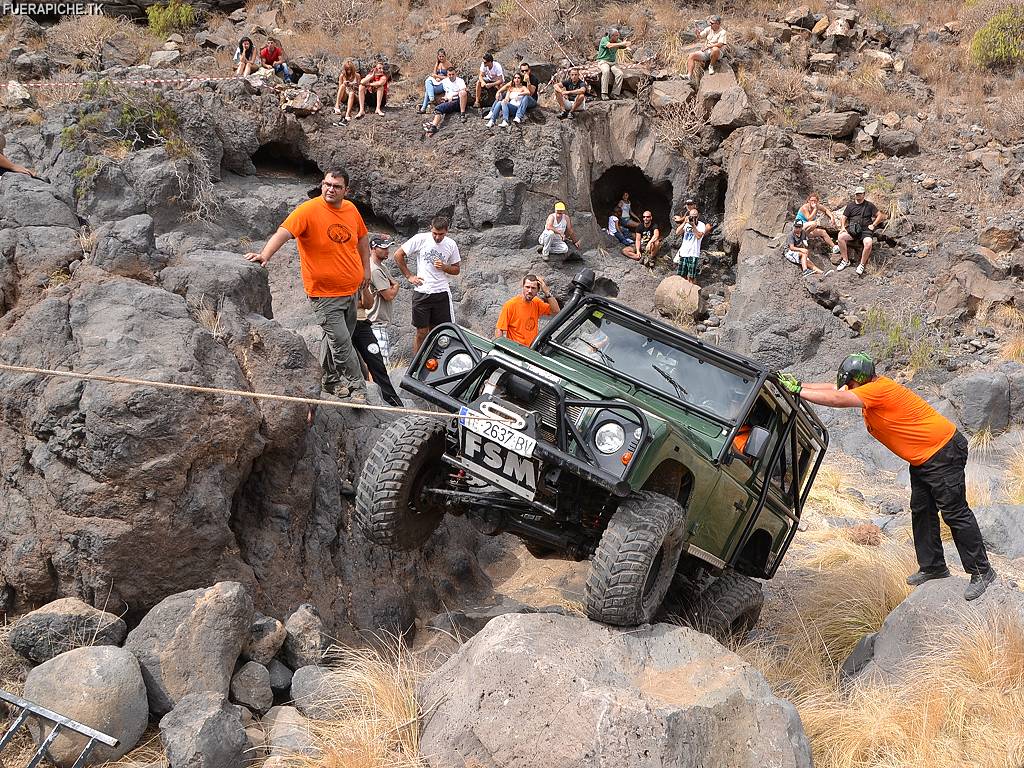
<point>919,578</point>
<point>842,265</point>
<point>570,116</point>
<point>503,124</point>
<point>835,250</point>
<point>484,113</point>
<point>421,109</point>
<point>604,97</point>
<point>517,119</point>
<point>563,114</point>
<point>979,583</point>
<point>337,390</point>
<point>490,123</point>
<point>711,70</point>
<point>462,116</point>
<point>808,272</point>
<point>540,249</point>
<point>860,269</point>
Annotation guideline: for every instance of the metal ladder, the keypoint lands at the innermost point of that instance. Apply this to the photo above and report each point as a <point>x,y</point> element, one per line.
<point>59,722</point>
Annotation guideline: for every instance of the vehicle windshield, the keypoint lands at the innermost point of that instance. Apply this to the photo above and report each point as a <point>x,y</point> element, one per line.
<point>613,341</point>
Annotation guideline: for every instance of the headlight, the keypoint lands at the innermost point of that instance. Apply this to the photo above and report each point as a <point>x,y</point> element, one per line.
<point>609,437</point>
<point>458,363</point>
<point>444,340</point>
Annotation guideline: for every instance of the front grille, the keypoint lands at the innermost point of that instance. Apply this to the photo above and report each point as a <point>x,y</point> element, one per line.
<point>546,406</point>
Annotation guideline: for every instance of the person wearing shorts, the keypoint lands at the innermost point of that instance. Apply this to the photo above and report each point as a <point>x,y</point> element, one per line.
<point>692,231</point>
<point>860,218</point>
<point>437,258</point>
<point>715,40</point>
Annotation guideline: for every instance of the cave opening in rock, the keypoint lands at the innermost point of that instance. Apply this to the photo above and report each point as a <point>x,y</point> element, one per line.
<point>375,222</point>
<point>645,194</point>
<point>283,160</point>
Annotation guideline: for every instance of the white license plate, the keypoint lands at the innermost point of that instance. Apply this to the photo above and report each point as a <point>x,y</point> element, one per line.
<point>505,436</point>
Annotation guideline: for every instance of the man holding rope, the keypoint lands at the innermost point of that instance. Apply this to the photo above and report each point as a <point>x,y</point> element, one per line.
<point>334,258</point>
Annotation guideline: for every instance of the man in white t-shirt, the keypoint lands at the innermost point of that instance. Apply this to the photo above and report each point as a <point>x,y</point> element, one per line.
<point>692,230</point>
<point>491,78</point>
<point>715,40</point>
<point>455,98</point>
<point>437,257</point>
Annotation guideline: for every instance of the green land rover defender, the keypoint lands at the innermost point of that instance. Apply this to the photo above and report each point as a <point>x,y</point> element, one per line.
<point>678,468</point>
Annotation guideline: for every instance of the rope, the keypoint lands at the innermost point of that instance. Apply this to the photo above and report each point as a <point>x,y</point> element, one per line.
<point>236,393</point>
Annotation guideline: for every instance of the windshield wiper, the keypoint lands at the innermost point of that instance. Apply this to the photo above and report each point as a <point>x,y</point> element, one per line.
<point>680,390</point>
<point>605,357</point>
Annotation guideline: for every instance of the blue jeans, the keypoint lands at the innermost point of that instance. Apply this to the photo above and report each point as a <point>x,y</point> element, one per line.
<point>622,238</point>
<point>281,69</point>
<point>430,92</point>
<point>496,110</point>
<point>528,102</point>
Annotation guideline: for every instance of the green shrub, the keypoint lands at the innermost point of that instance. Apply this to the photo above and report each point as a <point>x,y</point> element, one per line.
<point>172,16</point>
<point>1000,42</point>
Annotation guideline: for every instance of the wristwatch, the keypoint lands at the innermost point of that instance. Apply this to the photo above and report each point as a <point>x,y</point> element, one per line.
<point>545,296</point>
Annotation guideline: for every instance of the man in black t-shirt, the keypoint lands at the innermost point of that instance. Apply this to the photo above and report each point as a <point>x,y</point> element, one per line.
<point>860,218</point>
<point>648,242</point>
<point>530,101</point>
<point>571,94</point>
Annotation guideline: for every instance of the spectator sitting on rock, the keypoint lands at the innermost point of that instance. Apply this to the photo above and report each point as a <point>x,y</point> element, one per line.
<point>247,58</point>
<point>576,89</point>
<point>860,218</point>
<point>8,166</point>
<point>607,56</point>
<point>798,252</point>
<point>519,319</point>
<point>432,86</point>
<point>692,231</point>
<point>348,89</point>
<point>272,55</point>
<point>715,41</point>
<point>809,213</point>
<point>530,100</point>
<point>615,229</point>
<point>552,239</point>
<point>455,98</point>
<point>647,243</point>
<point>489,80</point>
<point>373,89</point>
<point>508,98</point>
<point>628,219</point>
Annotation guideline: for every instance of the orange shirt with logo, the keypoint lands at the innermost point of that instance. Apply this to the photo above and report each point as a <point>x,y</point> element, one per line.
<point>328,241</point>
<point>902,421</point>
<point>518,319</point>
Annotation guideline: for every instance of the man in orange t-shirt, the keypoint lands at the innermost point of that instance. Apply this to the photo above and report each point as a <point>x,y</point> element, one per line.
<point>334,259</point>
<point>519,316</point>
<point>937,453</point>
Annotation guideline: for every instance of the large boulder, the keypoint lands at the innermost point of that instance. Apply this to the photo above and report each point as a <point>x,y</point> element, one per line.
<point>128,248</point>
<point>921,622</point>
<point>1002,527</point>
<point>677,298</point>
<point>306,640</point>
<point>834,125</point>
<point>583,694</point>
<point>311,692</point>
<point>713,87</point>
<point>63,625</point>
<point>981,400</point>
<point>99,686</point>
<point>1001,239</point>
<point>189,642</point>
<point>898,142</point>
<point>204,731</point>
<point>733,110</point>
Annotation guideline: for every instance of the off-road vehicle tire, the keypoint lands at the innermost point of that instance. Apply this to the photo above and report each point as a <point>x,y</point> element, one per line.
<point>635,560</point>
<point>391,508</point>
<point>728,608</point>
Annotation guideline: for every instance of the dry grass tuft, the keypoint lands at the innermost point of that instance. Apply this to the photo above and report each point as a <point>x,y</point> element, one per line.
<point>979,488</point>
<point>831,495</point>
<point>1013,488</point>
<point>13,668</point>
<point>373,720</point>
<point>84,35</point>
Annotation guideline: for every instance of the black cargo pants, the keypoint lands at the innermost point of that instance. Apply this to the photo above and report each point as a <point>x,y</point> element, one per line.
<point>365,342</point>
<point>939,485</point>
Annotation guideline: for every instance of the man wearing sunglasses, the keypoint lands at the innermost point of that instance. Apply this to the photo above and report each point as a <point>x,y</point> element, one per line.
<point>334,259</point>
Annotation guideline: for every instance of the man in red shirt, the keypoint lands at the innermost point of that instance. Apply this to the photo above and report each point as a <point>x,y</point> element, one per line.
<point>272,55</point>
<point>519,316</point>
<point>937,453</point>
<point>334,258</point>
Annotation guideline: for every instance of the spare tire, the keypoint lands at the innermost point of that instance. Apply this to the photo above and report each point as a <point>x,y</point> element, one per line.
<point>393,505</point>
<point>635,560</point>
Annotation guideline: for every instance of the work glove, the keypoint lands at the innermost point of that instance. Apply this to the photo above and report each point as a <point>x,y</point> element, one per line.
<point>790,383</point>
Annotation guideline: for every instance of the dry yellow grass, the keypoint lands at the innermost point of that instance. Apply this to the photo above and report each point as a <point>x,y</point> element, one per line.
<point>1013,487</point>
<point>831,495</point>
<point>373,720</point>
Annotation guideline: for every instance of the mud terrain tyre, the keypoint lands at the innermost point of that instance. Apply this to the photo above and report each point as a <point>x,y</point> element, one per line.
<point>391,507</point>
<point>728,608</point>
<point>635,560</point>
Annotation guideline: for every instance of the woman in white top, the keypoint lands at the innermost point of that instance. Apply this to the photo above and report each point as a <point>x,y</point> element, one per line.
<point>508,97</point>
<point>627,218</point>
<point>715,41</point>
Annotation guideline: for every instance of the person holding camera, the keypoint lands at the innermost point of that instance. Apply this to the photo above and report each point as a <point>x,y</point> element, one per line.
<point>860,220</point>
<point>692,230</point>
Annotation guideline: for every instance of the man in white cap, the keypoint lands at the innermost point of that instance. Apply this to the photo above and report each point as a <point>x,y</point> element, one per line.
<point>553,238</point>
<point>860,218</point>
<point>384,289</point>
<point>715,40</point>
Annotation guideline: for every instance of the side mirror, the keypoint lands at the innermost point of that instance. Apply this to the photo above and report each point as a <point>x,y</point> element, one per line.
<point>757,443</point>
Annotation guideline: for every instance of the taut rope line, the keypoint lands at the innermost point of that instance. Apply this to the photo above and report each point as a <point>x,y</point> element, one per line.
<point>234,392</point>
